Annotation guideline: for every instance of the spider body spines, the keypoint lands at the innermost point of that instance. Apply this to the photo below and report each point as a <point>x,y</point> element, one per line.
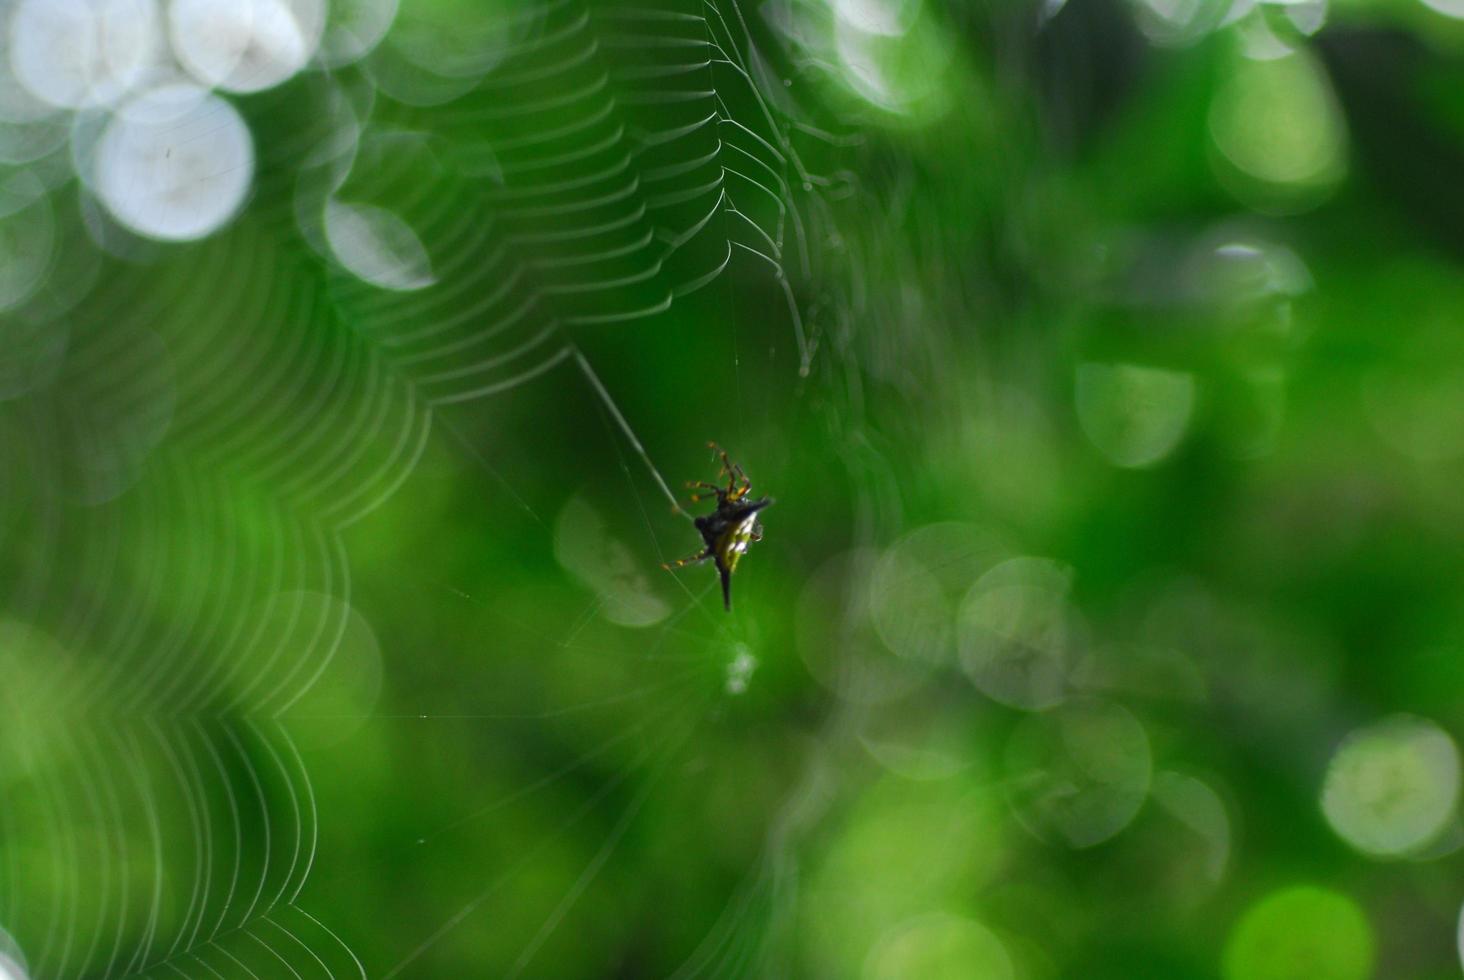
<point>729,530</point>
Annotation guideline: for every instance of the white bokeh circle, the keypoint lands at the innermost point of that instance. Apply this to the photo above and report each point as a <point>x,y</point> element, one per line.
<point>245,45</point>
<point>77,53</point>
<point>175,163</point>
<point>1393,787</point>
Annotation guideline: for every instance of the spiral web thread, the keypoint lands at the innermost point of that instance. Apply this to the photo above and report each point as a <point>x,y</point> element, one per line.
<point>214,420</point>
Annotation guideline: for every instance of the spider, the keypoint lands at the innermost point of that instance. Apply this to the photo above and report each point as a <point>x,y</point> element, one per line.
<point>728,530</point>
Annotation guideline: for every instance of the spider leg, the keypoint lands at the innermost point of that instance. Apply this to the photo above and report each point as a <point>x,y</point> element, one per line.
<point>727,465</point>
<point>735,476</point>
<point>692,560</point>
<point>718,491</point>
<point>737,482</point>
<point>740,488</point>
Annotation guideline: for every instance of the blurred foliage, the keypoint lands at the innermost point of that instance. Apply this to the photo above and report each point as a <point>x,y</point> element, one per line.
<point>1105,360</point>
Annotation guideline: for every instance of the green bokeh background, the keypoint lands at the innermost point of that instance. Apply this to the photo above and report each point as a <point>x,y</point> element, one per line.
<point>1109,379</point>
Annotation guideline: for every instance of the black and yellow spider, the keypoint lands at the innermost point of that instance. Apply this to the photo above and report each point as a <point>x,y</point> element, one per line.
<point>728,530</point>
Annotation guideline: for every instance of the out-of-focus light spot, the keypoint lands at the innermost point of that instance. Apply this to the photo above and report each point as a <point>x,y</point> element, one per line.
<point>1195,805</point>
<point>174,163</point>
<point>1460,939</point>
<point>109,236</point>
<point>1259,39</point>
<point>1392,787</point>
<point>1248,270</point>
<point>1142,670</point>
<point>1307,16</point>
<point>39,678</point>
<point>27,237</point>
<point>1230,270</point>
<point>911,613</point>
<point>438,50</point>
<point>1173,23</point>
<point>1015,626</point>
<point>904,850</point>
<point>1301,933</point>
<point>1449,8</point>
<point>795,24</point>
<point>1078,774</point>
<point>890,18</point>
<point>917,585</point>
<point>585,546</point>
<point>59,295</point>
<point>347,104</point>
<point>1276,123</point>
<point>87,129</point>
<point>1134,415</point>
<point>118,422</point>
<point>329,163</point>
<point>739,670</point>
<point>245,45</point>
<point>918,743</point>
<point>1050,9</point>
<point>1416,409</point>
<point>31,353</point>
<point>331,697</point>
<point>838,641</point>
<point>17,104</point>
<point>939,947</point>
<point>1449,841</point>
<point>377,246</point>
<point>12,962</point>
<point>75,53</point>
<point>354,29</point>
<point>464,38</point>
<point>28,142</point>
<point>916,763</point>
<point>904,71</point>
<point>53,169</point>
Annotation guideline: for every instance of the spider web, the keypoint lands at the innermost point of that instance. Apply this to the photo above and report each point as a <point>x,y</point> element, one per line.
<point>184,638</point>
